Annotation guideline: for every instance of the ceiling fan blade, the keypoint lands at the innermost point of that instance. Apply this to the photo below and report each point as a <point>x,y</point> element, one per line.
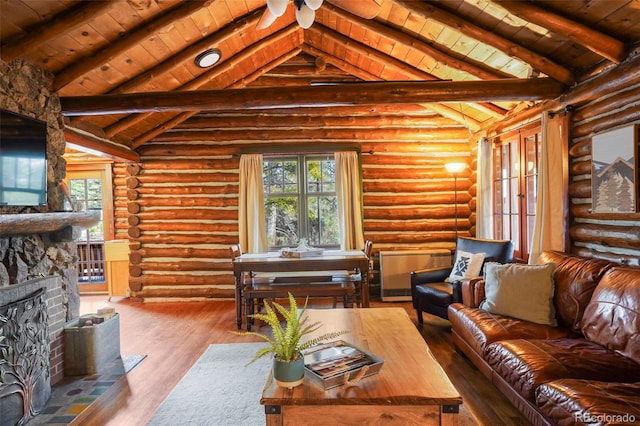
<point>367,9</point>
<point>266,19</point>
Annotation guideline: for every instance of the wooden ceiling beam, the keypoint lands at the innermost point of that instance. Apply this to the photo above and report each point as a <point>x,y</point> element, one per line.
<point>316,135</point>
<point>60,24</point>
<point>122,44</point>
<point>190,52</point>
<point>606,46</point>
<point>412,41</point>
<point>293,122</point>
<point>411,73</point>
<point>397,92</point>
<point>227,65</point>
<point>443,110</point>
<point>91,144</point>
<point>538,62</point>
<point>167,125</point>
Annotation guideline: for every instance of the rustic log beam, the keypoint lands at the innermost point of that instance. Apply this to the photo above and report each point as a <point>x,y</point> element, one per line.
<point>538,62</point>
<point>182,280</point>
<point>60,24</point>
<point>101,147</point>
<point>413,41</point>
<point>193,238</point>
<point>187,54</point>
<point>264,121</point>
<point>624,98</point>
<point>441,109</point>
<point>607,235</point>
<point>349,94</point>
<point>623,259</point>
<point>616,78</point>
<point>202,79</point>
<point>606,46</point>
<point>270,81</point>
<point>387,61</point>
<point>169,124</point>
<point>150,291</point>
<point>315,134</point>
<point>111,50</point>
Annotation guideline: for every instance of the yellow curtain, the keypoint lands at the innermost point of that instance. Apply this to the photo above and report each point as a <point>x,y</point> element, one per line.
<point>349,200</point>
<point>252,231</point>
<point>549,231</point>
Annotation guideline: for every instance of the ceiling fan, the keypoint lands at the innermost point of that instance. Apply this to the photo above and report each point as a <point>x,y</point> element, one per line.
<point>306,10</point>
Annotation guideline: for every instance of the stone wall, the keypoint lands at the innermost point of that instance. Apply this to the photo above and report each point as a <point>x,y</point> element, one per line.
<point>27,90</point>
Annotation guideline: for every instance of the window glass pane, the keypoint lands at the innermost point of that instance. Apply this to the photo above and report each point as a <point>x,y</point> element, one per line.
<point>531,196</point>
<point>281,215</point>
<point>515,198</point>
<point>514,159</point>
<point>323,221</point>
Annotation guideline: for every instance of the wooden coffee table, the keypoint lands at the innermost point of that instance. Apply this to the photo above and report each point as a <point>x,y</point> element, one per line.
<point>411,388</point>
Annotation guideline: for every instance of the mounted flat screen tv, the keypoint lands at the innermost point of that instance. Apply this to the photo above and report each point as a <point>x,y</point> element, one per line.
<point>23,160</point>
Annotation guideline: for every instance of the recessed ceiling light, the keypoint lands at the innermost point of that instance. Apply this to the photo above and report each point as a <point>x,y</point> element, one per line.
<point>208,58</point>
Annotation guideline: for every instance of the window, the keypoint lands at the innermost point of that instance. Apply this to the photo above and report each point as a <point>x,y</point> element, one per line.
<point>515,176</point>
<point>300,200</point>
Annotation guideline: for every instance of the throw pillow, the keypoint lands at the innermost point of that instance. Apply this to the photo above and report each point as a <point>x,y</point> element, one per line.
<point>466,265</point>
<point>520,291</point>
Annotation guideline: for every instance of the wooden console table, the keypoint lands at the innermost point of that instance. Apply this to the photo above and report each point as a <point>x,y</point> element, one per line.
<point>410,389</point>
<point>330,260</point>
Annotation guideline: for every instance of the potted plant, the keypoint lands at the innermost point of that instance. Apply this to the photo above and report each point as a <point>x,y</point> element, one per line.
<point>285,340</point>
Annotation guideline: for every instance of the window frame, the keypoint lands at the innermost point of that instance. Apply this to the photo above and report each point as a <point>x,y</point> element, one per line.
<point>520,185</point>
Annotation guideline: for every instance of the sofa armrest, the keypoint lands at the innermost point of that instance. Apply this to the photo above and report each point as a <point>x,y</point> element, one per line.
<point>472,292</point>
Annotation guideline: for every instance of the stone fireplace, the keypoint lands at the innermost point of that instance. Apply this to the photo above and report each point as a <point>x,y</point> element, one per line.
<point>37,250</point>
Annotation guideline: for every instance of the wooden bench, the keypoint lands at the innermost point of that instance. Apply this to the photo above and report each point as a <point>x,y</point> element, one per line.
<point>257,290</point>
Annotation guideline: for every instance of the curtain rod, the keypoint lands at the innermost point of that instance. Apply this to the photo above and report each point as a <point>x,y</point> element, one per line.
<point>564,110</point>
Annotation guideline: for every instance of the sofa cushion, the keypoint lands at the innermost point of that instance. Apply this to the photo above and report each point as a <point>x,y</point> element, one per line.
<point>575,278</point>
<point>466,265</point>
<point>526,364</point>
<point>612,317</point>
<point>520,291</point>
<point>479,328</point>
<point>587,402</point>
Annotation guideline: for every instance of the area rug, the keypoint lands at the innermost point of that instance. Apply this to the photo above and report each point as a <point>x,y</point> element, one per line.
<point>74,394</point>
<point>220,389</point>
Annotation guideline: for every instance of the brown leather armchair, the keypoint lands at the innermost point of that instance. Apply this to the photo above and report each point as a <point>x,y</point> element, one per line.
<point>432,294</point>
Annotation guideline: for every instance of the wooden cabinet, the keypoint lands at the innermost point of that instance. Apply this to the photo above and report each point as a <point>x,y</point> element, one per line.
<point>116,253</point>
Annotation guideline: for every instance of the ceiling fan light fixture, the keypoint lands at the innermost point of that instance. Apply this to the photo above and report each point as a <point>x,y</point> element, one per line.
<point>277,7</point>
<point>305,16</point>
<point>208,58</point>
<point>313,4</point>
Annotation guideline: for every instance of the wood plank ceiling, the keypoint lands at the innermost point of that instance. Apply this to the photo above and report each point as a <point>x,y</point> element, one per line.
<point>99,52</point>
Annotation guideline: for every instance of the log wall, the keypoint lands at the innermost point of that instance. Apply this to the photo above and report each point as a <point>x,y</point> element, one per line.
<point>179,205</point>
<point>615,237</point>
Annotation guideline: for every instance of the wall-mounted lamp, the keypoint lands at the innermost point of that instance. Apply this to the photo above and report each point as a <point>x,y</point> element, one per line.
<point>455,169</point>
<point>208,58</point>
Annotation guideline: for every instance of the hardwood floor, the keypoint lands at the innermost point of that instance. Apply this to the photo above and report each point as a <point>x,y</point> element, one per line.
<point>174,335</point>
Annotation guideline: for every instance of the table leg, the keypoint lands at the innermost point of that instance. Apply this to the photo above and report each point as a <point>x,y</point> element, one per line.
<point>238,276</point>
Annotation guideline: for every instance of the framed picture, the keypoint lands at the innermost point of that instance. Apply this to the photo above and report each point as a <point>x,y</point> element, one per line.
<point>614,171</point>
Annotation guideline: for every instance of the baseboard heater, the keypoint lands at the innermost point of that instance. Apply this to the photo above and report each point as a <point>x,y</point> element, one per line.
<point>396,267</point>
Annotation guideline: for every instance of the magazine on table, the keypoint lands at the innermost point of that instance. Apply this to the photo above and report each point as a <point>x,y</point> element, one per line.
<point>335,358</point>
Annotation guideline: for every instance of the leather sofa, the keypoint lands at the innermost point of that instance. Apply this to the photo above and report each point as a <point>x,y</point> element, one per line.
<point>585,370</point>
